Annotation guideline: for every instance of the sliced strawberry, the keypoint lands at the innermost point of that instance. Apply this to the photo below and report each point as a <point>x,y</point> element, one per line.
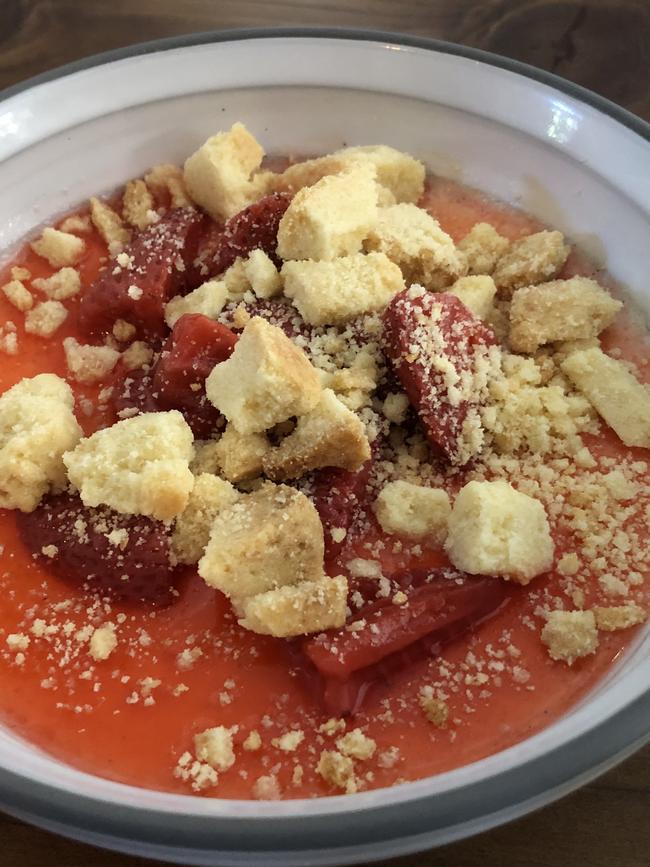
<point>177,379</point>
<point>256,227</point>
<point>134,391</point>
<point>438,610</point>
<point>341,498</point>
<point>194,347</point>
<point>138,292</point>
<point>203,265</point>
<point>118,556</point>
<point>438,348</point>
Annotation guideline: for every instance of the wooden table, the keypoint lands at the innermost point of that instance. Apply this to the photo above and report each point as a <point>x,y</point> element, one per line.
<point>601,44</point>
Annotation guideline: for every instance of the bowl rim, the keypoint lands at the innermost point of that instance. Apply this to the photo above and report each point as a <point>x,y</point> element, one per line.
<point>581,757</point>
<point>442,46</point>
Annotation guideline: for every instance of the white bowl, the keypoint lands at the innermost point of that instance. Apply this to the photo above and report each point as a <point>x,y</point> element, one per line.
<point>569,157</point>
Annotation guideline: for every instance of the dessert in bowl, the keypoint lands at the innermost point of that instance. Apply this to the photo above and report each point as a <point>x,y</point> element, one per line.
<point>322,475</point>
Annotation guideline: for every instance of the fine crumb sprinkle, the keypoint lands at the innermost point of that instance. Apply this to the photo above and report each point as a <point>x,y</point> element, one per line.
<point>215,747</point>
<point>103,642</point>
<point>435,710</point>
<point>267,788</point>
<point>186,658</point>
<point>253,742</point>
<point>619,617</point>
<point>18,641</point>
<point>338,771</point>
<point>332,727</point>
<point>570,635</point>
<point>356,745</point>
<point>289,741</point>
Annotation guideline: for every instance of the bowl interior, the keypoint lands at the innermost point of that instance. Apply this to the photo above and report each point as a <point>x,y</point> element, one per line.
<point>516,139</point>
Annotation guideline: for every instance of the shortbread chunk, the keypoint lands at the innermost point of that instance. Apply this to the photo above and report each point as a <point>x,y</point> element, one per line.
<point>209,299</point>
<point>37,425</point>
<point>331,293</point>
<point>477,294</point>
<point>63,284</point>
<point>398,172</point>
<point>138,205</point>
<point>89,363</point>
<point>496,530</point>
<point>570,635</point>
<point>59,248</point>
<point>328,436</point>
<point>210,495</point>
<point>483,246</point>
<point>267,539</point>
<point>614,393</point>
<point>214,746</point>
<point>205,457</point>
<point>413,511</point>
<point>574,309</point>
<point>139,466</point>
<point>266,380</point>
<point>169,178</point>
<point>218,174</point>
<point>240,455</point>
<point>262,274</point>
<point>300,609</point>
<point>530,260</point>
<point>18,294</point>
<point>613,618</point>
<point>330,219</point>
<point>46,318</point>
<point>413,240</point>
<point>110,226</point>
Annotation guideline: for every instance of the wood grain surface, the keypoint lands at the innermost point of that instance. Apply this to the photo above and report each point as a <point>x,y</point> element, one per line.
<point>600,44</point>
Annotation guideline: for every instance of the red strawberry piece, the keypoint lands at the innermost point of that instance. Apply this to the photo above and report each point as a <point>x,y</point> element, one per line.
<point>194,347</point>
<point>202,266</point>
<point>256,227</point>
<point>137,293</point>
<point>439,351</point>
<point>341,497</point>
<point>113,555</point>
<point>134,392</point>
<point>343,665</point>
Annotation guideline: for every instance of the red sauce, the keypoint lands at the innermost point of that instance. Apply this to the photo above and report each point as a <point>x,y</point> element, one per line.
<point>187,667</point>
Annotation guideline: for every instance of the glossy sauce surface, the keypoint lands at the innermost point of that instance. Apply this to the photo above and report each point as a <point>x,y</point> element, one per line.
<point>188,667</point>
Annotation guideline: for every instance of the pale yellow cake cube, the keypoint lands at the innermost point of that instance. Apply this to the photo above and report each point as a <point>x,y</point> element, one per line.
<point>265,540</point>
<point>330,219</point>
<point>210,495</point>
<point>614,392</point>
<point>139,466</point>
<point>482,247</point>
<point>299,609</point>
<point>37,425</point>
<point>496,530</point>
<point>530,260</point>
<point>218,176</point>
<point>477,294</point>
<point>412,239</point>
<point>331,293</point>
<point>413,511</point>
<point>330,435</point>
<point>574,309</point>
<point>266,380</point>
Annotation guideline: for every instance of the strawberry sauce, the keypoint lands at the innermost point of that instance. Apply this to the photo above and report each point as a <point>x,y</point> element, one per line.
<point>185,665</point>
